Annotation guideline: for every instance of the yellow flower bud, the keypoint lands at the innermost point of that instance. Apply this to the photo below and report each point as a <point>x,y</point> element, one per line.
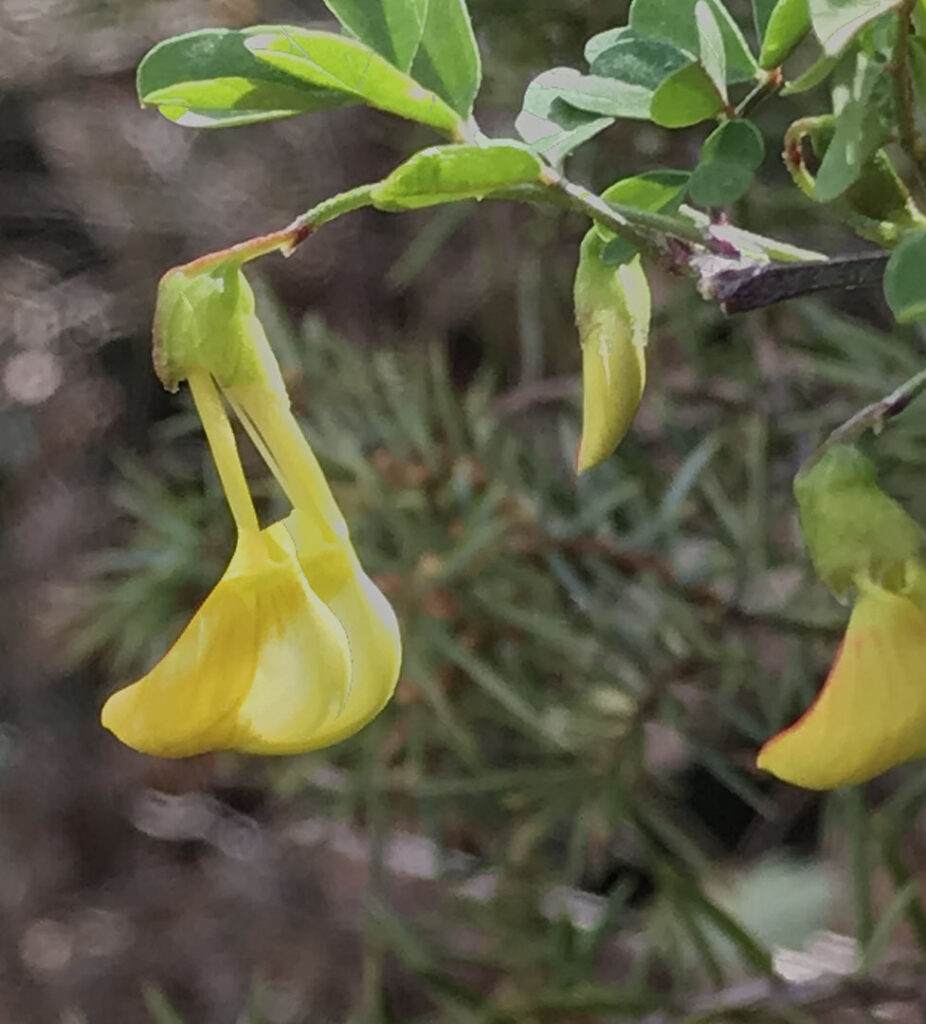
<point>613,316</point>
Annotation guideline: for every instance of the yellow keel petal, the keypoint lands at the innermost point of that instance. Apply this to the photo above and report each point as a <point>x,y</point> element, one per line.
<point>871,712</point>
<point>258,668</point>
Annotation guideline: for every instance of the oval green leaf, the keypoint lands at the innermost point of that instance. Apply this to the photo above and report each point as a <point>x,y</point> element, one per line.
<point>904,279</point>
<point>788,24</point>
<point>863,124</point>
<point>448,59</point>
<point>391,27</point>
<point>686,98</point>
<point>445,174</point>
<point>710,47</point>
<point>352,68</point>
<point>549,123</point>
<point>210,79</point>
<point>674,21</point>
<point>596,94</point>
<point>837,22</point>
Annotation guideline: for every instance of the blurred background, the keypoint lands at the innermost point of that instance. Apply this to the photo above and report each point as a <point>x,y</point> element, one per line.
<point>558,817</point>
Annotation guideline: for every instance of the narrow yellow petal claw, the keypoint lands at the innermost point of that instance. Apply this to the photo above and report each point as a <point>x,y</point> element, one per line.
<point>261,666</point>
<point>871,712</point>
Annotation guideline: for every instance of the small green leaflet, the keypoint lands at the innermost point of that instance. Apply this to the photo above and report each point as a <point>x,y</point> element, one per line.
<point>860,96</point>
<point>445,174</point>
<point>836,22</point>
<point>352,68</point>
<point>654,191</point>
<point>210,79</point>
<point>685,98</point>
<point>818,72</point>
<point>710,47</point>
<point>761,12</point>
<point>603,41</point>
<point>640,67</point>
<point>549,124</point>
<point>788,23</point>
<point>448,59</point>
<point>675,21</point>
<point>729,159</point>
<point>391,27</point>
<point>904,279</point>
<point>598,95</point>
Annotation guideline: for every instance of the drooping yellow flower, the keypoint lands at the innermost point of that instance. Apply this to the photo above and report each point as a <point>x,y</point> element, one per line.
<point>295,648</point>
<point>871,712</point>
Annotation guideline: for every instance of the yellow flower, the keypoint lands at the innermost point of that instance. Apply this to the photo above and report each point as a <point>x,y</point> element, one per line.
<point>613,317</point>
<point>871,712</point>
<point>295,648</point>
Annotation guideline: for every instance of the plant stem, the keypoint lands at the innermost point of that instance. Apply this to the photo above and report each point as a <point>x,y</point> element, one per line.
<point>765,284</point>
<point>874,416</point>
<point>771,84</point>
<point>913,145</point>
<point>325,211</point>
<point>648,231</point>
<point>857,823</point>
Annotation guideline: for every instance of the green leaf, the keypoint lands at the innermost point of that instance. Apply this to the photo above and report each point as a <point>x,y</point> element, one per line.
<point>861,96</point>
<point>788,24</point>
<point>352,68</point>
<point>444,174</point>
<point>653,191</point>
<point>761,12</point>
<point>710,47</point>
<point>674,21</point>
<point>904,280</point>
<point>836,22</point>
<point>685,98</point>
<point>602,41</point>
<point>210,79</point>
<point>729,159</point>
<point>391,27</point>
<point>549,123</point>
<point>595,94</point>
<point>639,61</point>
<point>818,72</point>
<point>448,60</point>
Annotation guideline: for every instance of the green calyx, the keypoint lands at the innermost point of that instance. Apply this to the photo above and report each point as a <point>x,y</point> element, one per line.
<point>851,527</point>
<point>205,319</point>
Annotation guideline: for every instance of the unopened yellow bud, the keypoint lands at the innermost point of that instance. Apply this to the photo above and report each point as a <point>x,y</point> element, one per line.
<point>613,316</point>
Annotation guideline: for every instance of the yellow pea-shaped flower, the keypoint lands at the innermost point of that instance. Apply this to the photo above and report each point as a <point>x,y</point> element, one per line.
<point>871,711</point>
<point>613,312</point>
<point>295,648</point>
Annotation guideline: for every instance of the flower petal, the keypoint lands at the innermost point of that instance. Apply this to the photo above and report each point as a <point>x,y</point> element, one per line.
<point>368,620</point>
<point>261,665</point>
<point>871,712</point>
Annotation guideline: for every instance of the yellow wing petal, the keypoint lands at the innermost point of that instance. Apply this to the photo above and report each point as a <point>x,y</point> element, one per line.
<point>871,712</point>
<point>368,620</point>
<point>258,668</point>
